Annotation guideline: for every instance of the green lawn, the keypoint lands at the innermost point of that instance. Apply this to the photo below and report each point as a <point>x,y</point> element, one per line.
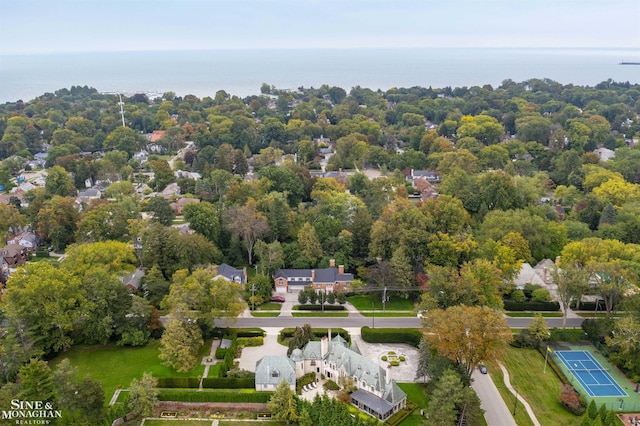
<point>522,418</point>
<point>533,314</point>
<point>270,306</point>
<point>264,314</point>
<point>539,389</point>
<point>416,393</point>
<point>332,314</point>
<point>387,314</point>
<point>363,303</point>
<point>116,366</point>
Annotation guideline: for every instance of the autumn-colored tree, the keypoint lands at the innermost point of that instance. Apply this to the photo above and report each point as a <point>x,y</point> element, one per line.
<point>468,335</point>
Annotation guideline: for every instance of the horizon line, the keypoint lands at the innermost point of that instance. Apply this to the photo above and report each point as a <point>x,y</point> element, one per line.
<point>316,48</point>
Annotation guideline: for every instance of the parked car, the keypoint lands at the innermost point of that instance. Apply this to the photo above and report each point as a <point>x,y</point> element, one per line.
<point>279,299</point>
<point>483,369</point>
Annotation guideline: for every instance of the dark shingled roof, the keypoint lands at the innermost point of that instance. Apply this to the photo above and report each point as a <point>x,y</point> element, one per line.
<point>378,405</point>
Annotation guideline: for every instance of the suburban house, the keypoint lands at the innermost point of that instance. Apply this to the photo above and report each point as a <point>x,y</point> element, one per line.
<point>27,239</point>
<point>181,202</point>
<point>230,273</point>
<point>14,254</point>
<point>376,392</point>
<point>327,279</point>
<point>132,280</point>
<point>429,176</point>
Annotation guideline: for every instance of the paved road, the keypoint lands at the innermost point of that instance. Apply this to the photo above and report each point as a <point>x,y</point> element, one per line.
<point>352,321</point>
<point>495,409</point>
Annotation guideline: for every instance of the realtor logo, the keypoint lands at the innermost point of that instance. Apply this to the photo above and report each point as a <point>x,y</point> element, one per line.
<point>30,412</point>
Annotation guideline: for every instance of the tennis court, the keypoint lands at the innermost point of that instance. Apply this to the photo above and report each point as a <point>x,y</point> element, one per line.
<point>588,371</point>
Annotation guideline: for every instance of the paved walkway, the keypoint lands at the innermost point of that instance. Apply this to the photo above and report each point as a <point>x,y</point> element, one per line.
<point>507,382</point>
<point>209,360</point>
<point>495,408</point>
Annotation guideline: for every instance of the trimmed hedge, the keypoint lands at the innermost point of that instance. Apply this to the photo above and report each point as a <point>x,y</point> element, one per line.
<point>410,336</point>
<point>287,333</point>
<point>228,383</point>
<point>188,395</point>
<point>510,305</point>
<point>318,307</point>
<point>178,382</point>
<point>590,306</point>
<point>238,332</point>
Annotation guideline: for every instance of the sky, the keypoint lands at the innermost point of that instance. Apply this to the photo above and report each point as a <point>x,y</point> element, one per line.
<point>53,26</point>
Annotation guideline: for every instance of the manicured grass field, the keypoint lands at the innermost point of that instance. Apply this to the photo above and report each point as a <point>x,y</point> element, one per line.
<point>522,418</point>
<point>265,314</point>
<point>387,314</point>
<point>116,366</point>
<point>539,389</point>
<point>270,306</point>
<point>320,314</point>
<point>363,303</point>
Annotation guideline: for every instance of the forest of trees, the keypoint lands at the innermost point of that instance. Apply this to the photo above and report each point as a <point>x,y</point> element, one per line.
<point>520,183</point>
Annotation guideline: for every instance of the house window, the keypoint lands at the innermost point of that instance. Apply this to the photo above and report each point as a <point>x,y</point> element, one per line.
<point>275,374</point>
<point>313,363</point>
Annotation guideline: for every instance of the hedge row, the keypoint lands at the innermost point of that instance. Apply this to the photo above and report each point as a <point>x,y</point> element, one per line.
<point>244,342</point>
<point>238,332</point>
<point>228,383</point>
<point>207,382</point>
<point>178,382</point>
<point>188,395</point>
<point>589,306</point>
<point>287,333</point>
<point>410,336</point>
<point>510,305</point>
<point>318,307</point>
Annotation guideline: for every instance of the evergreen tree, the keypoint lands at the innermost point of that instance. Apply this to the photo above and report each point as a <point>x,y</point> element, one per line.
<point>143,395</point>
<point>608,216</point>
<point>283,403</point>
<point>592,410</point>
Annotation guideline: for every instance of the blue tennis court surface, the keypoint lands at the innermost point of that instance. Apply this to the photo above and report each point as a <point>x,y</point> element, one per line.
<point>588,371</point>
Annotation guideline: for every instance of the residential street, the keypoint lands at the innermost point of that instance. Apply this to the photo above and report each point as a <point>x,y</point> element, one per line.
<point>359,321</point>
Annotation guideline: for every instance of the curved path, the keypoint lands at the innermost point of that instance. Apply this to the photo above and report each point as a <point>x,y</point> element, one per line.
<point>527,407</point>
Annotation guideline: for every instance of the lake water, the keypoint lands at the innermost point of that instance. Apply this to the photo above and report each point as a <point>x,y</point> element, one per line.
<point>242,72</point>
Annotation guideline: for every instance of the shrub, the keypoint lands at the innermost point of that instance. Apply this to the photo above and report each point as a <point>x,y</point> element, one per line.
<point>517,295</point>
<point>540,295</point>
<point>331,298</point>
<point>341,298</point>
<point>243,342</point>
<point>410,336</point>
<point>530,288</point>
<point>510,305</point>
<point>394,363</point>
<point>228,383</point>
<point>384,357</point>
<point>402,358</point>
<point>319,307</point>
<point>303,298</point>
<point>178,382</point>
<point>195,396</point>
<point>331,385</point>
<point>391,352</point>
<point>570,399</point>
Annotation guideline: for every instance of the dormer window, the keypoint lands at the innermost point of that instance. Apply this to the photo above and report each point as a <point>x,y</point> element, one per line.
<point>275,374</point>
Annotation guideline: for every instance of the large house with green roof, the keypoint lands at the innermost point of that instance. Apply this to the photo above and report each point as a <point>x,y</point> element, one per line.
<point>377,393</point>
